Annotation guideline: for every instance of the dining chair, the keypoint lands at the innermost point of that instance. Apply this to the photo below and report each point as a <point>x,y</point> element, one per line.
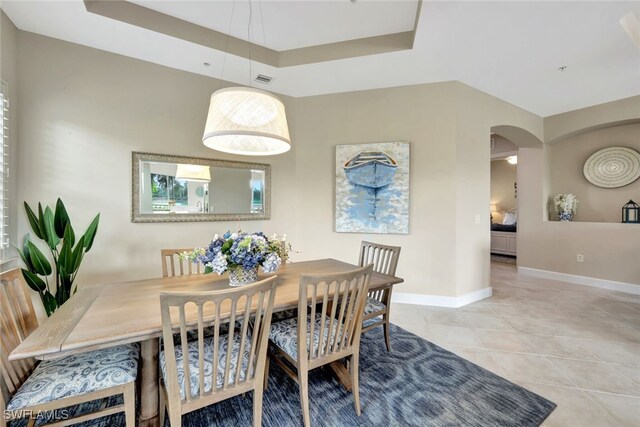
<point>377,307</point>
<point>171,263</point>
<point>219,367</point>
<point>31,389</point>
<point>329,333</point>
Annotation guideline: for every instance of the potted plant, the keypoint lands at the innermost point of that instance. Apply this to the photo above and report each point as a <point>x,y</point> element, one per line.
<point>565,205</point>
<point>54,228</point>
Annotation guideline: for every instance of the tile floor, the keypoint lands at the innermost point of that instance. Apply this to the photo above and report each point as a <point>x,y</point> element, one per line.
<point>575,345</point>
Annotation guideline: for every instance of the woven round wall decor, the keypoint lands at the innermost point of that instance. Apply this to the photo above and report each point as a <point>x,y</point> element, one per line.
<point>613,167</point>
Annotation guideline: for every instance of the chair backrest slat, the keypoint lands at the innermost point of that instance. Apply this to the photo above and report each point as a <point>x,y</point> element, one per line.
<point>171,260</point>
<point>342,293</point>
<point>17,321</point>
<point>383,257</point>
<point>245,352</point>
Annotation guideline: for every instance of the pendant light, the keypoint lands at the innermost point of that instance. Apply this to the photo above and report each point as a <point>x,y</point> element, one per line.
<point>245,120</point>
<point>197,173</point>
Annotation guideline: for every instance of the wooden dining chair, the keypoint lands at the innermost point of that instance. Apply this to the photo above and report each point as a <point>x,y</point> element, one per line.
<point>172,265</point>
<point>216,368</point>
<point>329,333</point>
<point>377,308</point>
<point>30,388</point>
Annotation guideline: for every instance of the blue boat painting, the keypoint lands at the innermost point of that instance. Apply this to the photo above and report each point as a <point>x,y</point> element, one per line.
<point>371,169</point>
<point>372,188</point>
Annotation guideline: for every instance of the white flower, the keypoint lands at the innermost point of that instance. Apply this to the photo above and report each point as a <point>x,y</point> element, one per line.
<point>234,236</point>
<point>272,263</point>
<point>219,264</point>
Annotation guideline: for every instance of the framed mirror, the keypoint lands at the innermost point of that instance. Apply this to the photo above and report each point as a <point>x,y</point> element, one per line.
<point>168,188</point>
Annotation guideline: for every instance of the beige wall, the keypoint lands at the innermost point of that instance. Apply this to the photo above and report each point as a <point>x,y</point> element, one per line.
<point>82,113</point>
<point>565,162</point>
<point>421,115</point>
<point>610,249</point>
<point>503,176</point>
<point>578,121</point>
<point>502,146</point>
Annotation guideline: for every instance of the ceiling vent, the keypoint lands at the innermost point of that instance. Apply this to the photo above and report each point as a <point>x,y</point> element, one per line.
<point>264,79</point>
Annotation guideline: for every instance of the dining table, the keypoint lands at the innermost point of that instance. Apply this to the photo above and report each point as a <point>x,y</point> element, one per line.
<point>107,315</point>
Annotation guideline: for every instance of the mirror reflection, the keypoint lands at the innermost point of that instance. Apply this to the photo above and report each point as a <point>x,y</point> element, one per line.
<point>215,189</point>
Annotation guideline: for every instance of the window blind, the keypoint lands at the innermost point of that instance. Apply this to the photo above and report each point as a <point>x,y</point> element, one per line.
<point>4,171</point>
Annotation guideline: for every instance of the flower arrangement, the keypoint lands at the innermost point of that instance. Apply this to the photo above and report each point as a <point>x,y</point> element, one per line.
<point>241,254</point>
<point>565,202</point>
<point>565,205</point>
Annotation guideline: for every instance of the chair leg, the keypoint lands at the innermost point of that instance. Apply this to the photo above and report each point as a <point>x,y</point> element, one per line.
<point>257,407</point>
<point>175,419</point>
<point>129,396</point>
<point>386,331</point>
<point>266,372</point>
<point>303,376</point>
<point>354,382</point>
<point>163,406</point>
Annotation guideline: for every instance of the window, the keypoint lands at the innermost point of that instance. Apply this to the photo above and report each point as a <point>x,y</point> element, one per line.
<point>167,191</point>
<point>4,171</point>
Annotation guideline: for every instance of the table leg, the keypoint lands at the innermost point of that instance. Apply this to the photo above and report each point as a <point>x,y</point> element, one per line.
<point>342,374</point>
<point>149,383</point>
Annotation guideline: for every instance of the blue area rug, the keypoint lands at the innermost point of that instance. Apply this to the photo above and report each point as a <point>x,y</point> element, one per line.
<point>417,384</point>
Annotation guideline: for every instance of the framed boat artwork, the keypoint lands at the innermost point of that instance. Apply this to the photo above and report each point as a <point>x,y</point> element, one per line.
<point>372,188</point>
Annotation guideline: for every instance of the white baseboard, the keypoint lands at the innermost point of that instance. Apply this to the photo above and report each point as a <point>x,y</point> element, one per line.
<point>629,288</point>
<point>440,301</point>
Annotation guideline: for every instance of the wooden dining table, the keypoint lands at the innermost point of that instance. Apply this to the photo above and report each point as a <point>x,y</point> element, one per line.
<point>102,316</point>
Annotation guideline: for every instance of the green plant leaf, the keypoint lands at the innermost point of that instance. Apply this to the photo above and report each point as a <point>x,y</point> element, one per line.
<point>65,259</point>
<point>49,302</point>
<point>77,255</point>
<point>208,270</point>
<point>90,234</point>
<point>61,219</point>
<point>41,224</point>
<point>49,227</point>
<point>33,220</point>
<point>34,282</point>
<point>38,260</point>
<point>24,255</point>
<point>69,235</point>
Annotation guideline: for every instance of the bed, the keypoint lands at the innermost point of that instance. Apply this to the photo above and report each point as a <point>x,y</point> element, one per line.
<point>504,236</point>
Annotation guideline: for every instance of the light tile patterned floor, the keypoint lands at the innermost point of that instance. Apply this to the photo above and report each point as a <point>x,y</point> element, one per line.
<point>575,345</point>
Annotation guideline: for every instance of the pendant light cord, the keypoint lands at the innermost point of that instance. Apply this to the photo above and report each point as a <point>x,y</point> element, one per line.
<point>264,35</point>
<point>226,45</point>
<point>249,37</point>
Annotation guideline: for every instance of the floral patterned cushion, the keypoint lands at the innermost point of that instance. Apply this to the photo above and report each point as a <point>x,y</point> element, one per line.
<point>372,305</point>
<point>284,334</point>
<point>194,363</point>
<point>77,374</point>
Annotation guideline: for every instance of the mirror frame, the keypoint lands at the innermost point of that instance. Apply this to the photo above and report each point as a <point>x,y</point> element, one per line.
<point>139,217</point>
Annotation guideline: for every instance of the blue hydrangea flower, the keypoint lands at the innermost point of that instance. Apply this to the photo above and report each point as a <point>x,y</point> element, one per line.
<point>218,264</point>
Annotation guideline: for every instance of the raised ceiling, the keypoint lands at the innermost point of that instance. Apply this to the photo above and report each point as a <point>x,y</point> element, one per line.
<point>511,50</point>
<point>295,24</point>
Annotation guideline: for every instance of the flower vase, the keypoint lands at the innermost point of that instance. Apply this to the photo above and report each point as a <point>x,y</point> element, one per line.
<point>565,216</point>
<point>238,276</point>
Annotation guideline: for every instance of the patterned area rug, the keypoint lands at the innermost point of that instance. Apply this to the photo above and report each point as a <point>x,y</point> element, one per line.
<point>417,384</point>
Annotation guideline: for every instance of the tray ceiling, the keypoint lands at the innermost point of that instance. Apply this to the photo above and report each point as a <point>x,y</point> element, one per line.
<point>511,50</point>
